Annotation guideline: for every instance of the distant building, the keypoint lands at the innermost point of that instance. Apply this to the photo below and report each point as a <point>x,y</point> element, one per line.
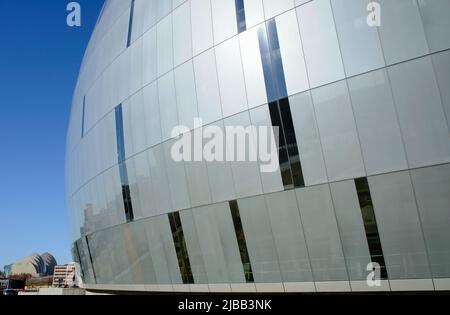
<point>4,284</point>
<point>64,276</point>
<point>15,284</point>
<point>7,270</point>
<point>35,265</point>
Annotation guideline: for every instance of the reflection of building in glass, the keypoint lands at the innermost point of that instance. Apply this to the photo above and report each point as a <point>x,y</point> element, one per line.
<point>364,149</point>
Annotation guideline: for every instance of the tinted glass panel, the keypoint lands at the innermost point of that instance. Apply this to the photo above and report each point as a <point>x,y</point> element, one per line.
<point>180,247</point>
<point>245,258</point>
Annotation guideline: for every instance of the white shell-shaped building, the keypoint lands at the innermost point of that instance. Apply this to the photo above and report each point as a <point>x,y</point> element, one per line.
<point>35,265</point>
<point>360,96</point>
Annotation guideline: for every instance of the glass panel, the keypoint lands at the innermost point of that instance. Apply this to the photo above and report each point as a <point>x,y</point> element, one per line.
<point>122,165</point>
<point>161,191</point>
<point>360,44</point>
<point>224,19</point>
<point>399,227</point>
<point>197,264</point>
<point>149,63</point>
<point>254,12</point>
<point>273,8</point>
<point>167,105</point>
<point>82,116</point>
<point>180,247</point>
<point>422,118</point>
<point>323,58</point>
<point>377,122</point>
<point>220,247</point>
<point>442,68</point>
<point>164,45</point>
<point>291,51</point>
<point>289,238</point>
<point>164,7</point>
<point>144,185</point>
<point>156,248</point>
<point>253,70</point>
<point>246,175</point>
<point>134,191</point>
<point>351,228</point>
<point>291,143</point>
<point>338,132</point>
<point>202,29</point>
<point>138,123</point>
<point>266,59</point>
<point>138,22</point>
<point>197,179</point>
<point>207,84</point>
<point>186,95</point>
<point>321,233</point>
<point>130,24</point>
<point>432,189</point>
<point>240,236</point>
<point>136,61</point>
<point>231,77</point>
<point>370,224</point>
<point>271,181</point>
<point>436,22</point>
<point>136,248</point>
<point>240,16</point>
<point>176,175</point>
<point>220,176</point>
<point>400,19</point>
<point>152,115</point>
<point>182,39</point>
<point>275,54</point>
<point>283,156</point>
<point>309,145</point>
<point>260,242</point>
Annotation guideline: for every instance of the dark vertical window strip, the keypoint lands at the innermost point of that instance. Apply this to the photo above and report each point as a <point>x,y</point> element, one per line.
<point>276,89</point>
<point>77,250</point>
<point>126,193</point>
<point>120,134</point>
<point>291,142</point>
<point>277,63</point>
<point>271,89</point>
<point>82,117</point>
<point>242,244</point>
<point>180,248</point>
<point>370,224</point>
<point>283,156</point>
<point>90,259</point>
<point>240,16</point>
<point>130,24</point>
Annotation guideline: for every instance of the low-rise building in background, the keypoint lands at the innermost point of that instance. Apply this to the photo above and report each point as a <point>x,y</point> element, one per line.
<point>64,276</point>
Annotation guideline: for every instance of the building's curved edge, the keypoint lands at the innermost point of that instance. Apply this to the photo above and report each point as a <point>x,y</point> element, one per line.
<point>405,285</point>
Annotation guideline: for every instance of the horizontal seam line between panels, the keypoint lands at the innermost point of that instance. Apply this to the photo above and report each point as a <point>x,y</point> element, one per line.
<point>224,118</point>
<point>290,95</point>
<point>193,55</point>
<point>121,52</point>
<point>84,61</point>
<point>268,194</point>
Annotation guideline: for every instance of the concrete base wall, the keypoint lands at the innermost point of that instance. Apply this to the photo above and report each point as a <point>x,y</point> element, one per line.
<point>405,285</point>
<point>56,291</point>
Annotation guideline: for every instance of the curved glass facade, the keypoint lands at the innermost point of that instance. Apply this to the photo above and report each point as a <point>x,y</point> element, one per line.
<point>364,146</point>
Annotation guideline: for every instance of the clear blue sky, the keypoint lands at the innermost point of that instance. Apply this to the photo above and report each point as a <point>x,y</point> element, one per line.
<point>39,61</point>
